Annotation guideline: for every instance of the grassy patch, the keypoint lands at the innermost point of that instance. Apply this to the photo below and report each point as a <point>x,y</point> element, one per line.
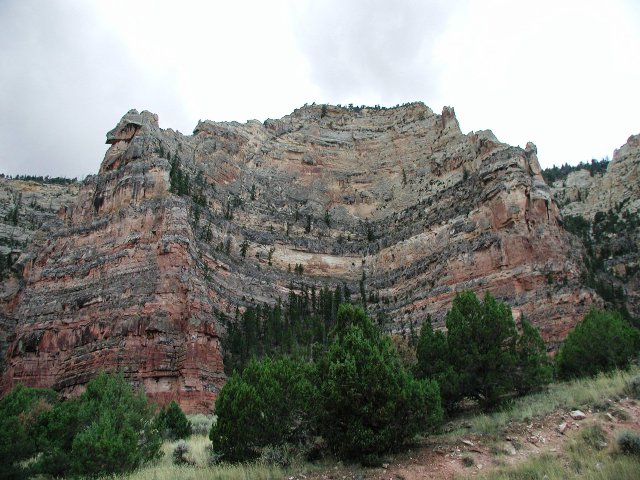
<point>589,455</point>
<point>222,472</point>
<point>584,459</point>
<point>164,469</point>
<point>567,395</point>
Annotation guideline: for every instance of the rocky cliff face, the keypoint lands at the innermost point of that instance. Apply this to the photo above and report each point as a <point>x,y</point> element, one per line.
<point>604,210</point>
<point>25,206</point>
<point>586,195</point>
<point>176,231</point>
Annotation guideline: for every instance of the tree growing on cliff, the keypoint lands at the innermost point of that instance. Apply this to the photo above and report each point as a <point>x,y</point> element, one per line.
<point>244,246</point>
<point>602,341</point>
<point>178,180</point>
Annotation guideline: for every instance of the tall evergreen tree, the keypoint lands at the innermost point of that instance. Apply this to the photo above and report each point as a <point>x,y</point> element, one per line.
<point>482,356</point>
<point>481,339</point>
<point>369,403</point>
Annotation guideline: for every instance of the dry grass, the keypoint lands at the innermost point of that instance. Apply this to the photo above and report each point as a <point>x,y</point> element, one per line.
<point>589,455</point>
<point>567,395</point>
<point>164,469</point>
<point>222,472</point>
<point>580,461</point>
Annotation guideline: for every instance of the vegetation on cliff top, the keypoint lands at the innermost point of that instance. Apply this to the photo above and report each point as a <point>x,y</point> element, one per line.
<point>555,173</point>
<point>42,179</point>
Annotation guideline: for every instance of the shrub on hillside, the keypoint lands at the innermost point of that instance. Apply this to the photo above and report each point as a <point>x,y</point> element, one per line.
<point>201,424</point>
<point>181,453</point>
<point>629,443</point>
<point>268,404</point>
<point>633,387</point>
<point>108,429</point>
<point>369,404</point>
<point>481,356</point>
<point>603,341</point>
<point>172,422</point>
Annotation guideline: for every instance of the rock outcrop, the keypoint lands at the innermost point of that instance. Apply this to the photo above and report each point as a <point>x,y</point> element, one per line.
<point>177,231</point>
<point>604,209</point>
<point>586,195</point>
<point>25,206</point>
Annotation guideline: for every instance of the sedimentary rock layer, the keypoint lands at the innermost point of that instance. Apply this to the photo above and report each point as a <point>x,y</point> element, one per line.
<point>176,231</point>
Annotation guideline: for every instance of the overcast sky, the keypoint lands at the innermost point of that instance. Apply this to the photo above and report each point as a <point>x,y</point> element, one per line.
<point>564,74</point>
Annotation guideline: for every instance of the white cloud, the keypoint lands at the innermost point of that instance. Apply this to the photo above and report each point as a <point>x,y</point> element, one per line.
<point>223,60</point>
<point>65,81</point>
<point>561,73</point>
<point>558,73</point>
<point>372,52</point>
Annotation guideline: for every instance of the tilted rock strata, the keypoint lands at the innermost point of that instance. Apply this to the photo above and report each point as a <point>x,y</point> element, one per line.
<point>138,277</point>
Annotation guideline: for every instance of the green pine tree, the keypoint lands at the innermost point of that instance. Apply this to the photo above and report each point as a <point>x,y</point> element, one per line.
<point>601,342</point>
<point>172,422</point>
<point>369,404</point>
<point>268,404</point>
<point>534,368</point>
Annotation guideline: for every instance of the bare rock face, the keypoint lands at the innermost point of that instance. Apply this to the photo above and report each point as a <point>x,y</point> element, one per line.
<point>114,287</point>
<point>585,195</point>
<point>176,232</point>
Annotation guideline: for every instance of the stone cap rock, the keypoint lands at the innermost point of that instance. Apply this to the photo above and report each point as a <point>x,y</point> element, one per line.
<point>129,124</point>
<point>531,152</point>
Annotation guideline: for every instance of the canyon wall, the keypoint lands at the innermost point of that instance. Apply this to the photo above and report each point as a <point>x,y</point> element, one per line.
<point>177,231</point>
